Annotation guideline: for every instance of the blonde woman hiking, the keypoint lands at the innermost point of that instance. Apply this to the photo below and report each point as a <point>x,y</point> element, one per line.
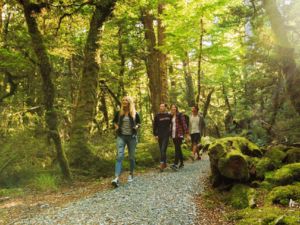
<point>126,122</point>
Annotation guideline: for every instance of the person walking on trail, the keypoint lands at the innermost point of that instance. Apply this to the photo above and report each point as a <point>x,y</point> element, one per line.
<point>195,131</point>
<point>161,131</point>
<point>178,130</point>
<point>126,122</point>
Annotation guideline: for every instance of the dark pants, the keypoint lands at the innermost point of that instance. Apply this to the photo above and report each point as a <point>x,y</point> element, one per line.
<point>178,153</point>
<point>163,144</point>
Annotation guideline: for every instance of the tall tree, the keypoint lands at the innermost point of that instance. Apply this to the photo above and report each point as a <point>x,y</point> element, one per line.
<point>152,64</point>
<point>190,96</point>
<point>46,71</point>
<point>87,98</point>
<point>199,69</point>
<point>162,57</point>
<point>285,52</point>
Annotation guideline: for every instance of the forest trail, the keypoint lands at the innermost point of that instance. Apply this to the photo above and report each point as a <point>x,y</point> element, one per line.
<point>152,198</point>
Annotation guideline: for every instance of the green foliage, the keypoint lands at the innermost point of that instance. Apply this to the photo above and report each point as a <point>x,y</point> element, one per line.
<point>282,194</point>
<point>22,156</point>
<point>44,183</point>
<point>12,192</point>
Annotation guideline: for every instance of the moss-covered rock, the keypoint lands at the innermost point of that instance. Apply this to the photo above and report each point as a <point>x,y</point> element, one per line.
<point>276,155</point>
<point>292,155</point>
<point>242,144</point>
<point>279,147</point>
<point>241,196</point>
<point>283,194</point>
<point>266,164</point>
<point>230,159</point>
<point>234,166</point>
<point>265,216</point>
<point>285,175</point>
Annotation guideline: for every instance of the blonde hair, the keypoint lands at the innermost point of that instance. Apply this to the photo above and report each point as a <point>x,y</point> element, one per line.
<point>132,110</point>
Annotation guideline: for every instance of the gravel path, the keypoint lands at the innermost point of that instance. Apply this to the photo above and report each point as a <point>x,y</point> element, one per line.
<point>153,198</point>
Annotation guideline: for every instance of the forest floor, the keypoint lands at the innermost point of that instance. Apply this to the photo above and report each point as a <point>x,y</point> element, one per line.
<point>208,209</point>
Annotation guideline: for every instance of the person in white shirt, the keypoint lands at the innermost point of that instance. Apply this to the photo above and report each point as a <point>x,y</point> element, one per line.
<point>195,132</point>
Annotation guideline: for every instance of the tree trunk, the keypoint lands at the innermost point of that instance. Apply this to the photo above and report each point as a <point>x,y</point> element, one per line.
<point>152,64</point>
<point>1,10</point>
<point>207,102</point>
<point>48,87</point>
<point>162,57</point>
<point>199,70</point>
<point>229,116</point>
<point>188,81</point>
<point>285,53</point>
<point>121,89</point>
<point>103,107</point>
<point>87,100</point>
<point>276,104</point>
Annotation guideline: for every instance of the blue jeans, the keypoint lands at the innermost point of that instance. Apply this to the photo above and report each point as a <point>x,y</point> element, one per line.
<point>122,141</point>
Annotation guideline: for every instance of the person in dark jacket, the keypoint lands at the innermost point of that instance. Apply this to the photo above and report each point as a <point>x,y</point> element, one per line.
<point>179,129</point>
<point>161,131</point>
<point>126,122</point>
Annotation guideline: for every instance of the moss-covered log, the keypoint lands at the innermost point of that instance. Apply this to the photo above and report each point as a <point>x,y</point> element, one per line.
<point>229,159</point>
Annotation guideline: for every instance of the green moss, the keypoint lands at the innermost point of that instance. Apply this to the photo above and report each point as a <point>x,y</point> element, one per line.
<point>266,185</point>
<point>293,155</point>
<point>285,175</point>
<point>234,166</point>
<point>265,216</point>
<point>11,192</point>
<point>276,156</point>
<point>283,194</point>
<point>279,147</point>
<point>263,165</point>
<point>240,196</point>
<point>239,143</point>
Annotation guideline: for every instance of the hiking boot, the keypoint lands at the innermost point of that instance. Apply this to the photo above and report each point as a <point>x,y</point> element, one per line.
<point>115,182</point>
<point>164,165</point>
<point>130,178</point>
<point>161,167</point>
<point>181,165</point>
<point>174,167</point>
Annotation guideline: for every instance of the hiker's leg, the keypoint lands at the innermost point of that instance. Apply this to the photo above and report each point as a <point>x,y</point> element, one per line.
<point>120,155</point>
<point>132,141</point>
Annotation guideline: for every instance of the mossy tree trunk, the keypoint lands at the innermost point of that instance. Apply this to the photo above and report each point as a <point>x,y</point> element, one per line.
<point>162,57</point>
<point>156,59</point>
<point>48,86</point>
<point>152,64</point>
<point>199,69</point>
<point>121,88</point>
<point>190,96</point>
<point>87,98</point>
<point>285,52</point>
